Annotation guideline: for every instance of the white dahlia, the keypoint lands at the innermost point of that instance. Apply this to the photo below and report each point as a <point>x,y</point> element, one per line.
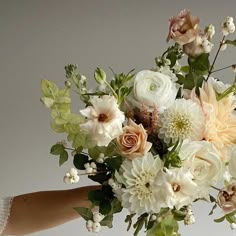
<point>183,120</point>
<point>104,120</point>
<point>141,194</point>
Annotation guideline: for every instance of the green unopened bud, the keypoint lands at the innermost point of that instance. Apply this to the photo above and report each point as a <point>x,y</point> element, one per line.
<point>210,31</point>
<point>100,76</point>
<point>68,83</point>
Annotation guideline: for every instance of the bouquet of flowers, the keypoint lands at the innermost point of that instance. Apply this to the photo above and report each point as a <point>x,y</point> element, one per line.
<point>157,140</point>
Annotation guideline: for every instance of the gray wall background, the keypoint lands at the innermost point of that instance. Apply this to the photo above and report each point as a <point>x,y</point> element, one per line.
<point>37,38</point>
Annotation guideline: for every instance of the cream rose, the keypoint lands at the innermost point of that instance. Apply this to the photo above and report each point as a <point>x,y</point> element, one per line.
<point>153,89</point>
<point>183,28</point>
<point>133,142</point>
<point>203,160</point>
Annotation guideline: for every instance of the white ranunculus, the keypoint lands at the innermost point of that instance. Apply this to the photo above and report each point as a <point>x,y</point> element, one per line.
<point>104,120</point>
<point>154,89</point>
<point>232,163</point>
<point>176,188</point>
<point>203,160</point>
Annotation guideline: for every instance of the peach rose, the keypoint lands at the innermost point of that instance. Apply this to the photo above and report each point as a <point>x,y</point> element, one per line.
<point>227,198</point>
<point>183,28</point>
<point>133,142</point>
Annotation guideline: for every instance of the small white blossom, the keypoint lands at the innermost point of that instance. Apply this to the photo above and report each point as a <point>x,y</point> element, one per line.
<point>153,218</point>
<point>89,224</point>
<point>189,219</point>
<point>207,45</point>
<point>233,226</point>
<point>96,227</point>
<point>228,26</point>
<point>71,177</point>
<point>90,168</point>
<point>210,31</point>
<point>223,46</point>
<point>93,165</point>
<point>97,217</point>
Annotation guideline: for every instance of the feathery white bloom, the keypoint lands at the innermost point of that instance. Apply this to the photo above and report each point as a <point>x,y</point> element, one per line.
<point>141,194</point>
<point>104,121</point>
<point>183,120</point>
<point>71,177</point>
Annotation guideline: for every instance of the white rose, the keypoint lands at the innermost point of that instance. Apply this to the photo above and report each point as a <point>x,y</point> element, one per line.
<point>154,89</point>
<point>232,163</point>
<point>203,160</point>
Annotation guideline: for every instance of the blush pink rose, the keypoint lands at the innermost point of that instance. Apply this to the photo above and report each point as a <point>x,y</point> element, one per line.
<point>133,142</point>
<point>183,28</point>
<point>227,198</point>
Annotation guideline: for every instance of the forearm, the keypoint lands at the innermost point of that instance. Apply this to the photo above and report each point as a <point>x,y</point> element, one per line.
<point>42,210</point>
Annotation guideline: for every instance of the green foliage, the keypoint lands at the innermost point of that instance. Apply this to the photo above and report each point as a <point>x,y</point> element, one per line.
<point>79,160</point>
<point>85,213</point>
<point>73,75</point>
<point>230,217</point>
<point>120,85</point>
<point>167,227</point>
<point>141,221</point>
<point>114,163</point>
<point>172,157</point>
<point>59,150</point>
<point>231,42</point>
<point>107,221</point>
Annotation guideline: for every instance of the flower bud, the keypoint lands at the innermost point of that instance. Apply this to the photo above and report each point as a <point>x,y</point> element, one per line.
<point>99,76</point>
<point>68,83</point>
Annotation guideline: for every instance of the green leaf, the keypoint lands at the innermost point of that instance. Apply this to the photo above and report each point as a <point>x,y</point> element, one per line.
<point>116,206</point>
<point>219,219</point>
<point>100,177</point>
<point>172,57</point>
<point>107,221</point>
<point>79,160</point>
<point>94,152</point>
<point>96,196</point>
<point>128,220</point>
<point>63,157</point>
<point>57,149</point>
<point>86,213</point>
<point>200,63</point>
<point>212,210</point>
<point>231,42</point>
<point>105,207</point>
<point>186,81</point>
<point>179,215</point>
<point>184,69</point>
<point>114,163</point>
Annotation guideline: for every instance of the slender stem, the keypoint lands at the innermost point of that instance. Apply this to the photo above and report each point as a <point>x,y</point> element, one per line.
<point>216,188</point>
<point>223,68</point>
<point>113,91</point>
<point>217,53</point>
